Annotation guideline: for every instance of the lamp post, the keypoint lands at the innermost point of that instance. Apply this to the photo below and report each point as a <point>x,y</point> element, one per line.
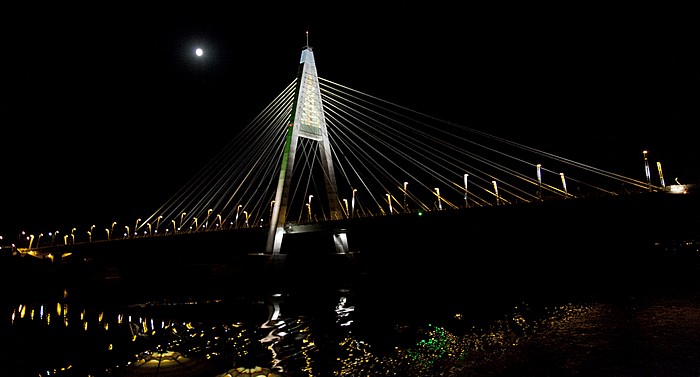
<point>126,234</point>
<point>158,223</point>
<point>72,235</point>
<point>238,211</point>
<point>31,240</point>
<point>107,230</point>
<point>310,196</point>
<point>195,224</point>
<point>149,230</point>
<point>437,191</point>
<point>347,213</point>
<point>563,183</point>
<point>220,225</point>
<point>174,227</point>
<point>661,174</point>
<point>646,169</point>
<point>466,200</point>
<point>405,193</point>
<point>112,229</point>
<point>136,227</point>
<point>495,190</point>
<point>539,181</point>
<point>206,220</point>
<point>19,238</point>
<point>353,203</point>
<point>181,218</point>
<point>89,233</point>
<point>388,199</point>
<point>245,213</point>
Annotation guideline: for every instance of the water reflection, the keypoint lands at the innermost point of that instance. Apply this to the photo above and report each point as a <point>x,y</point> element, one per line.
<point>272,335</point>
<point>283,334</point>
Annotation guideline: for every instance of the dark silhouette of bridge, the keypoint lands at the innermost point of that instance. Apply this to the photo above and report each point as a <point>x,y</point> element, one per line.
<point>323,159</point>
<point>330,186</point>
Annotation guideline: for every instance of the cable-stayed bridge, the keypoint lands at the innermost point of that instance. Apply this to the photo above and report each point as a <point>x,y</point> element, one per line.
<point>322,158</point>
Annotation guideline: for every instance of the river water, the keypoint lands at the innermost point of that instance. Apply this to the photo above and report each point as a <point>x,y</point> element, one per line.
<point>395,329</point>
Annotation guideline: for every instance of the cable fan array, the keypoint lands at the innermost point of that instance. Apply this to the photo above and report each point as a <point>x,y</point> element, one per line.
<point>388,159</point>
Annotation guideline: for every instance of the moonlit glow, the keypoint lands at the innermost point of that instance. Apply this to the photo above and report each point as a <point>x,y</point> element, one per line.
<point>199,52</point>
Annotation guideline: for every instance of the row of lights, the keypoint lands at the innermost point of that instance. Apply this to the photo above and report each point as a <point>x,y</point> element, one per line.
<point>110,231</point>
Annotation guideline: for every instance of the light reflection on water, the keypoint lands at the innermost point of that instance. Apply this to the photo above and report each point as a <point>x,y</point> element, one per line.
<point>284,335</point>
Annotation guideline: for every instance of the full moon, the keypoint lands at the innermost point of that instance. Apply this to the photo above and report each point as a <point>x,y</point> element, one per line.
<point>199,52</point>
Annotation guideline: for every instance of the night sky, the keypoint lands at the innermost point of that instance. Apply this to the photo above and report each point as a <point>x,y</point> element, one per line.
<point>105,110</point>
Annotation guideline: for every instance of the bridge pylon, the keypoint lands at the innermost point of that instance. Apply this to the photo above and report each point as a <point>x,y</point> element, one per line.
<point>306,121</point>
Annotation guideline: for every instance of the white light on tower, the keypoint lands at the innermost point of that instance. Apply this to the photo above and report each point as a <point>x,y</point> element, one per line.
<point>199,52</point>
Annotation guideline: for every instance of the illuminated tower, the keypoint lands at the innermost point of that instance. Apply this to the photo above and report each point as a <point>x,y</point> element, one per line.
<point>306,121</point>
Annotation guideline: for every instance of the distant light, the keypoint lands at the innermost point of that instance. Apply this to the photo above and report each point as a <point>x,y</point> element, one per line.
<point>677,189</point>
<point>199,52</point>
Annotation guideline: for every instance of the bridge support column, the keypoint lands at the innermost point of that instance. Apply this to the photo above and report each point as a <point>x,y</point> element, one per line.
<point>307,121</point>
<point>341,242</point>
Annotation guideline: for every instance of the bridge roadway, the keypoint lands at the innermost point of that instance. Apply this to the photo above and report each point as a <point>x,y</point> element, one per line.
<point>578,242</point>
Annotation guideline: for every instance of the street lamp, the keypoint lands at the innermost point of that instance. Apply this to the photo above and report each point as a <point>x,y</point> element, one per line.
<point>405,193</point>
<point>238,211</point>
<point>112,229</point>
<point>206,221</point>
<point>495,190</point>
<point>563,183</point>
<point>181,217</point>
<point>466,201</point>
<point>388,198</point>
<point>219,217</point>
<point>136,227</point>
<point>245,213</point>
<point>310,196</point>
<point>646,169</point>
<point>539,181</point>
<point>661,174</point>
<point>353,203</point>
<point>107,230</point>
<point>19,238</point>
<point>347,213</point>
<point>158,223</point>
<point>126,235</point>
<point>437,190</point>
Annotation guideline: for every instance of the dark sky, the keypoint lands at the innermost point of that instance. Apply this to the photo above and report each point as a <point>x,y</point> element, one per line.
<point>105,110</point>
